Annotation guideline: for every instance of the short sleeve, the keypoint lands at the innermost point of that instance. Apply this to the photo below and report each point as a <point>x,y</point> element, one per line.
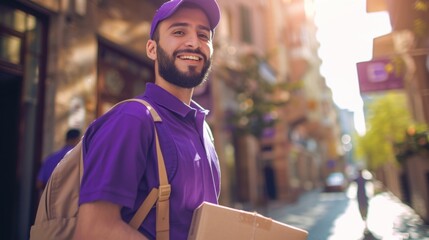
<point>115,148</point>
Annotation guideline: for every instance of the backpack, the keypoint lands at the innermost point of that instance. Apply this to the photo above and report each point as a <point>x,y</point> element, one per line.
<point>58,208</point>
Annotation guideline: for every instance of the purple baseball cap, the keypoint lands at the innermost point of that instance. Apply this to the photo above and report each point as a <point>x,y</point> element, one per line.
<point>210,7</point>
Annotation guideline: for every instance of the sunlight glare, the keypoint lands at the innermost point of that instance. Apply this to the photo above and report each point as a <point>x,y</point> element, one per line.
<point>346,33</point>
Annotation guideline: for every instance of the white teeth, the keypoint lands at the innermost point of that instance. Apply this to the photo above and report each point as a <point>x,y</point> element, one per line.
<point>195,58</point>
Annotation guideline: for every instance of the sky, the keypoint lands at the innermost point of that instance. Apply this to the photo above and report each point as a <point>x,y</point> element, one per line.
<point>345,33</point>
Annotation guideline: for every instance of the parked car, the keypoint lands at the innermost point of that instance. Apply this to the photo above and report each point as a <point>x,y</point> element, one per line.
<point>336,182</point>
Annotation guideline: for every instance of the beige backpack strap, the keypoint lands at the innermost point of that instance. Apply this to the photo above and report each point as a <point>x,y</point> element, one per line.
<point>163,203</point>
<point>159,196</point>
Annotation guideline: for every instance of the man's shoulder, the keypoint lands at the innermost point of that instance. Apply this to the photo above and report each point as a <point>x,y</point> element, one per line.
<point>124,110</point>
<point>130,116</point>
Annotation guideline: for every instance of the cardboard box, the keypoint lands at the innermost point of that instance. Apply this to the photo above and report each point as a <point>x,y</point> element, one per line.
<point>216,222</point>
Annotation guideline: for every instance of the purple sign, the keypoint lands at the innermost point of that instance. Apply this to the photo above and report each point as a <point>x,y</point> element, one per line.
<point>380,75</point>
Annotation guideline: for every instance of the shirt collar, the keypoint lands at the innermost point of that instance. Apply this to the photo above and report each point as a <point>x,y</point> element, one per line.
<point>165,99</point>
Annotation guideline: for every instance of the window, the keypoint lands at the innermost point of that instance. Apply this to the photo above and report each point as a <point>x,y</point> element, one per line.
<point>15,27</point>
<point>246,26</point>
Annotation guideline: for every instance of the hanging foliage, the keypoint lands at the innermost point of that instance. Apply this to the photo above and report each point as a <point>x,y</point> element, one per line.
<point>416,142</point>
<point>420,22</point>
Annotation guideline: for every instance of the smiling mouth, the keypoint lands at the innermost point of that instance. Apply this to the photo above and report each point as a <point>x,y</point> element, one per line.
<point>190,57</point>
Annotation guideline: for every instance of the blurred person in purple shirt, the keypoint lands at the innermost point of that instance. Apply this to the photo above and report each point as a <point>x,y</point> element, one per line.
<point>120,164</point>
<point>72,137</point>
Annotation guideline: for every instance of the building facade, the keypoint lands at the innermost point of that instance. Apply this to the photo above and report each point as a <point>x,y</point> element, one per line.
<point>409,43</point>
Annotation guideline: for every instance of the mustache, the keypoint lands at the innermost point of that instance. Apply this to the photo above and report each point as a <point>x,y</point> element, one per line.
<point>195,51</point>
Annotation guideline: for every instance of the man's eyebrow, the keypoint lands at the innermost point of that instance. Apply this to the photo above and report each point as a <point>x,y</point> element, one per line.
<point>183,24</point>
<point>204,28</point>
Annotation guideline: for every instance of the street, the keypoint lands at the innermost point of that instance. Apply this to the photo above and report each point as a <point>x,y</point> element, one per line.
<point>335,216</point>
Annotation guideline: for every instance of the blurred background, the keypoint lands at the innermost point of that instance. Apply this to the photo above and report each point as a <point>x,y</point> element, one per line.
<point>300,89</point>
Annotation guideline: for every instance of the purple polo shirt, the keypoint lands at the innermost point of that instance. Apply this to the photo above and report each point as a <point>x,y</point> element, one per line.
<point>120,163</point>
<point>51,162</point>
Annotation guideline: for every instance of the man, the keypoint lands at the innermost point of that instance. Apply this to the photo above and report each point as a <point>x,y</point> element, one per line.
<point>71,139</point>
<point>119,151</point>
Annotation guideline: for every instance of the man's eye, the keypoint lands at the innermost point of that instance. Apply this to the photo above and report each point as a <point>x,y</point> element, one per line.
<point>180,33</point>
<point>204,36</point>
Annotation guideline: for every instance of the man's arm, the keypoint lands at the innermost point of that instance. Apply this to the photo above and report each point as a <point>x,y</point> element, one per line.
<point>102,220</point>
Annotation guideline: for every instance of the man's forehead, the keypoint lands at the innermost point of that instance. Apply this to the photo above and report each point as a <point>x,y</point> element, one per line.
<point>187,15</point>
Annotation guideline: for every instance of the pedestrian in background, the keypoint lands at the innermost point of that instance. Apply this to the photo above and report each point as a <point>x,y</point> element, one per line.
<point>119,152</point>
<point>362,195</point>
<point>72,137</point>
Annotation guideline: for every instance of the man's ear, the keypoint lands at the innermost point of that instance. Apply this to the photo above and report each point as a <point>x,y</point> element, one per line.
<point>151,49</point>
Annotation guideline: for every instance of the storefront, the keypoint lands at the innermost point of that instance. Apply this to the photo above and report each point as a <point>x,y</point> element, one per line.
<point>22,75</point>
<point>62,64</point>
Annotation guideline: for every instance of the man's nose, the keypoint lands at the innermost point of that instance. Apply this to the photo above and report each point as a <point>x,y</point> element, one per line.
<point>192,41</point>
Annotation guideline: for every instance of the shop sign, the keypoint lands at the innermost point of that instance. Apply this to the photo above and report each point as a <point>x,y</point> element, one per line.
<point>381,75</point>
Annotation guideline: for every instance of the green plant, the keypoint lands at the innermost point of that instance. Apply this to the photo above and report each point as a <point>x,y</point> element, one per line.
<point>416,142</point>
<point>257,96</point>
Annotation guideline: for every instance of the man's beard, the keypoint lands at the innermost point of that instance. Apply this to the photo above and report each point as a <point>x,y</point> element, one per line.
<point>171,74</point>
